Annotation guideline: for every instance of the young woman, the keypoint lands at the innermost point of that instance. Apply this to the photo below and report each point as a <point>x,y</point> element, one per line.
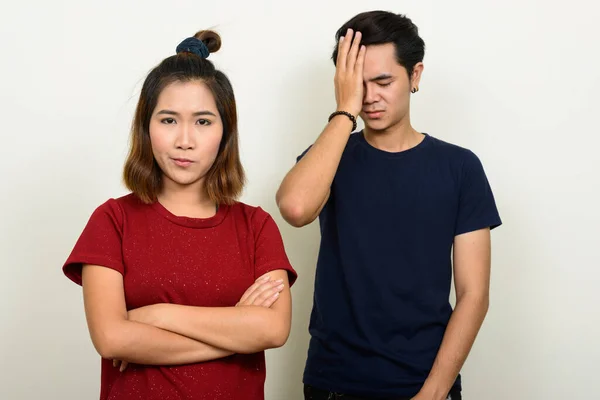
<point>184,287</point>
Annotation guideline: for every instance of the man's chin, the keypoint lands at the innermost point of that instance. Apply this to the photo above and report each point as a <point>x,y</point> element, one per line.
<point>376,125</point>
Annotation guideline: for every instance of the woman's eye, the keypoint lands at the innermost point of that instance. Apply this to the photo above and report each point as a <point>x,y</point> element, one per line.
<point>385,84</point>
<point>168,121</point>
<point>203,122</point>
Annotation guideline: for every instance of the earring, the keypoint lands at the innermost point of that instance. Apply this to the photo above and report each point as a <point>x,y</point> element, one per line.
<point>415,89</point>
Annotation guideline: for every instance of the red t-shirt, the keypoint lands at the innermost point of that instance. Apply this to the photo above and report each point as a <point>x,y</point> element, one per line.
<point>165,258</point>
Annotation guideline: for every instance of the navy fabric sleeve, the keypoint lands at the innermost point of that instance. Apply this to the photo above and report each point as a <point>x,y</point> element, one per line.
<point>477,206</point>
<point>303,153</point>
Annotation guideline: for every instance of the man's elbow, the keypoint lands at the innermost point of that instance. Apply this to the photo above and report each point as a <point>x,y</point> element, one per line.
<point>293,212</point>
<point>477,300</point>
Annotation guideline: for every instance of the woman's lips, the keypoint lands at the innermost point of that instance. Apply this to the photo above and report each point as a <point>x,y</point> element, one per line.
<point>182,162</point>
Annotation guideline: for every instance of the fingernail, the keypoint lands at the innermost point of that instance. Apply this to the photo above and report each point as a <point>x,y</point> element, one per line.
<point>279,280</point>
<point>265,278</point>
<point>276,294</point>
<point>341,38</point>
<point>280,286</point>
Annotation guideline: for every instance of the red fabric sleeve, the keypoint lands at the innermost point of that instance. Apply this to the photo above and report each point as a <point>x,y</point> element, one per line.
<point>270,252</point>
<point>100,242</point>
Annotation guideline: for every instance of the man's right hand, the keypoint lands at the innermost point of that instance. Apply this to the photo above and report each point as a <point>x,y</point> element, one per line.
<point>349,73</point>
<point>306,188</point>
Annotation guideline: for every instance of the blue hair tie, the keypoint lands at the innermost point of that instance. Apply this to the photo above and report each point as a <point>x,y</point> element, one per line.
<point>193,45</point>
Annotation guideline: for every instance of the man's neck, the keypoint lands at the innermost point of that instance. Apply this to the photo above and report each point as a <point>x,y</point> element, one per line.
<point>395,139</point>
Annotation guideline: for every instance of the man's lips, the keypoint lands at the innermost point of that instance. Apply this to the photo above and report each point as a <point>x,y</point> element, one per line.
<point>374,113</point>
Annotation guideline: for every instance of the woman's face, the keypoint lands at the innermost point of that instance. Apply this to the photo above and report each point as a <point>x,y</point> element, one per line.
<point>185,132</point>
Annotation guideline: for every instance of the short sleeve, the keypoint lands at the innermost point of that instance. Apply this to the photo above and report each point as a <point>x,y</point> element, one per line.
<point>99,243</point>
<point>303,153</point>
<point>477,207</point>
<point>269,250</point>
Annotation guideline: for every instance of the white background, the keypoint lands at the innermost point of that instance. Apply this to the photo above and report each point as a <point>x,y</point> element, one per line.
<point>515,81</point>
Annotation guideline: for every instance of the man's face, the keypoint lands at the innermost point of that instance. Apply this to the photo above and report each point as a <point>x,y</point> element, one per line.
<point>387,88</point>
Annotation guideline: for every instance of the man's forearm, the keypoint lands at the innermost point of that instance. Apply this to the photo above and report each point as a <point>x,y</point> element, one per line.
<point>305,187</point>
<point>460,335</point>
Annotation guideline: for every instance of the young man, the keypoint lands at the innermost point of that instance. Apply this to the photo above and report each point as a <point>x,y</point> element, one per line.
<point>392,204</point>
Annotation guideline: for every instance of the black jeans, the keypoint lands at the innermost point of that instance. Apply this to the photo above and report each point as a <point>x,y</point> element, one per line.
<point>313,393</point>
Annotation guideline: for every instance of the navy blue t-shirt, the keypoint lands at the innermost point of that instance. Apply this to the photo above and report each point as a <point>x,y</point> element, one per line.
<point>382,286</point>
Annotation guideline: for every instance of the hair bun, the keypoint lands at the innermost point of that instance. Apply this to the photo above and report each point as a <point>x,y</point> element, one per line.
<point>211,39</point>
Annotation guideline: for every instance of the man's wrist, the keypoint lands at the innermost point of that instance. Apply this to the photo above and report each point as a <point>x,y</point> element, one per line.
<point>351,110</point>
<point>430,391</point>
<point>344,114</point>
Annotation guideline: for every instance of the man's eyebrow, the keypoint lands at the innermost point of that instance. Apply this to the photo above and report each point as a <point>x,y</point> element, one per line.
<point>381,77</point>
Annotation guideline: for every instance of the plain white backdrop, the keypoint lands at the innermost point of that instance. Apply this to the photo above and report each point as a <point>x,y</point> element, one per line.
<point>515,81</point>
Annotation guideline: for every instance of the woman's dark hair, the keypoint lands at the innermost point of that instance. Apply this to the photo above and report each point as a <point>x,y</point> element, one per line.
<point>142,175</point>
<point>380,27</point>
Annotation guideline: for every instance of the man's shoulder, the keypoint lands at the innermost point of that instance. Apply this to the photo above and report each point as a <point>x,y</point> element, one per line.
<point>453,155</point>
<point>450,149</point>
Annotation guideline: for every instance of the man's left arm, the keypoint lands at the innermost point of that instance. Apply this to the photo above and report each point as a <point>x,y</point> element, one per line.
<point>472,259</point>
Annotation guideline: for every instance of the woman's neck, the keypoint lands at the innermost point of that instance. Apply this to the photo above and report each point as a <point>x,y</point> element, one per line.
<point>187,201</point>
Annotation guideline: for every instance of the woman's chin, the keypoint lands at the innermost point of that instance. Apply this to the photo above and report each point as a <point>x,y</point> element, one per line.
<point>184,180</point>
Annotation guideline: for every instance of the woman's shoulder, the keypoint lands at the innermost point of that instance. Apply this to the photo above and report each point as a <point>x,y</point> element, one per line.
<point>255,215</point>
<point>127,201</point>
<point>119,206</point>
